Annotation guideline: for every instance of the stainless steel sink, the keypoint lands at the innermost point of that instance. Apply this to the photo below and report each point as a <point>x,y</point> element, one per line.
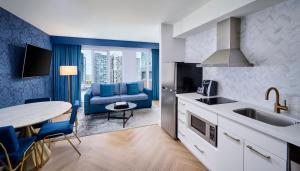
<point>266,117</point>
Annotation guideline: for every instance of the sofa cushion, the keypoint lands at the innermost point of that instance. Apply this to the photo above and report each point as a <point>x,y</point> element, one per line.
<point>132,88</point>
<point>136,97</point>
<point>104,100</point>
<point>106,90</point>
<point>116,89</point>
<point>141,86</point>
<point>96,89</point>
<point>123,88</point>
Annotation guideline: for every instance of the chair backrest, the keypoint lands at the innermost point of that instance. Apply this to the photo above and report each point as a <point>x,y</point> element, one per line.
<point>37,100</point>
<point>74,112</point>
<point>9,139</point>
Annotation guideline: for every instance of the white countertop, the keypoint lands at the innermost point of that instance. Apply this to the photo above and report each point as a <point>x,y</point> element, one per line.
<point>289,134</point>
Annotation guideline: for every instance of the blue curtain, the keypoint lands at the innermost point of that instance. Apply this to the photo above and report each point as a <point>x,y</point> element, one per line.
<point>155,73</point>
<point>66,55</point>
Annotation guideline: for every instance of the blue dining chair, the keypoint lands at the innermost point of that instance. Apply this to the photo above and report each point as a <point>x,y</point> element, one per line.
<point>15,151</point>
<point>62,128</point>
<point>45,99</point>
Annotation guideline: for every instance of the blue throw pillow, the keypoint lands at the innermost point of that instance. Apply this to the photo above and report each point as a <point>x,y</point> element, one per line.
<point>106,90</point>
<point>132,88</point>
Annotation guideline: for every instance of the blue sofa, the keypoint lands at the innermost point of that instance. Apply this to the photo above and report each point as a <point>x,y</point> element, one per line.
<point>94,103</point>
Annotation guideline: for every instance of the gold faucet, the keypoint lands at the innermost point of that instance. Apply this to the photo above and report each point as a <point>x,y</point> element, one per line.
<point>277,106</point>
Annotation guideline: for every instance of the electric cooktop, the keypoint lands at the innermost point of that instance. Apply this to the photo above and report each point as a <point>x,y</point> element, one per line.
<point>215,100</point>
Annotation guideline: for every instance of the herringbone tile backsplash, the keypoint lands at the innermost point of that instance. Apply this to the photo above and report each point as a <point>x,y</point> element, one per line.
<point>271,40</point>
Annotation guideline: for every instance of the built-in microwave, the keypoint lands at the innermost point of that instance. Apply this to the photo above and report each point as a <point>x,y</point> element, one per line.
<point>204,128</point>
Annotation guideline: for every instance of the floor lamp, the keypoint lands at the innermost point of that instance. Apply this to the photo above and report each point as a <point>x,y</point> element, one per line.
<point>68,71</point>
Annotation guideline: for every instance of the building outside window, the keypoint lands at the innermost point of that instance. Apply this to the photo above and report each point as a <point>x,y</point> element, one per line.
<point>101,67</point>
<point>116,66</point>
<point>144,67</point>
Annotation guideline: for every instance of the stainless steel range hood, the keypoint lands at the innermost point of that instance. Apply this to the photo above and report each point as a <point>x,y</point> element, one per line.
<point>228,52</point>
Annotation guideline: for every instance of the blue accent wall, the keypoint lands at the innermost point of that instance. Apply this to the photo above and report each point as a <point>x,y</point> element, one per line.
<point>14,34</point>
<point>102,42</point>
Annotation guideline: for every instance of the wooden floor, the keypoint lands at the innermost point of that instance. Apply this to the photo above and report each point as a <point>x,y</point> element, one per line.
<point>140,149</point>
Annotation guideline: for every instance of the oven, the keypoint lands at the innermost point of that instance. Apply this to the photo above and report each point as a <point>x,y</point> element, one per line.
<point>204,128</point>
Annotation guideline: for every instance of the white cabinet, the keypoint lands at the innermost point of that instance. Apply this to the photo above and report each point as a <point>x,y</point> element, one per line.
<point>171,49</point>
<point>239,148</point>
<point>230,151</point>
<point>257,159</point>
<point>237,153</point>
<point>201,149</point>
<point>181,122</point>
<point>204,151</point>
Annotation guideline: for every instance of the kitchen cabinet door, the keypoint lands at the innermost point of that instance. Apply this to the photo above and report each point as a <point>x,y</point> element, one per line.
<point>255,158</point>
<point>230,151</point>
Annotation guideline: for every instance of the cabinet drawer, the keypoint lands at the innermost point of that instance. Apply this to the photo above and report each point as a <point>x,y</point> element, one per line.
<point>183,140</point>
<point>255,158</point>
<point>181,106</point>
<point>182,117</point>
<point>204,151</point>
<point>182,128</point>
<point>182,133</point>
<point>268,143</point>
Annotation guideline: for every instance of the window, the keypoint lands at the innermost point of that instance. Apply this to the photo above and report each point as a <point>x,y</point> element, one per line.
<point>144,67</point>
<point>102,66</point>
<point>114,65</point>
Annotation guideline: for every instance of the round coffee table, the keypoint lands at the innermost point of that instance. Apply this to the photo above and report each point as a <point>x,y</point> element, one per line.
<point>111,108</point>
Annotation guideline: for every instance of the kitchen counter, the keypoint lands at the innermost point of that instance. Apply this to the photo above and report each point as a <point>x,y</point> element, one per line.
<point>290,134</point>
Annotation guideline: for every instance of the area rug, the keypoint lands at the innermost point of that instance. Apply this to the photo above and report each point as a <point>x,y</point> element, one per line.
<point>98,123</point>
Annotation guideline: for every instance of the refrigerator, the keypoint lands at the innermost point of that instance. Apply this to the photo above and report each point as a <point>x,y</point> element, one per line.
<point>176,78</point>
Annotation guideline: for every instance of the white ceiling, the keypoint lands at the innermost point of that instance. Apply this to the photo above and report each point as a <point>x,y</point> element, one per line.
<point>136,20</point>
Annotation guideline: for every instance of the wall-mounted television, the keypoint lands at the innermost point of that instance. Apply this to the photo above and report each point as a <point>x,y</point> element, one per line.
<point>37,61</point>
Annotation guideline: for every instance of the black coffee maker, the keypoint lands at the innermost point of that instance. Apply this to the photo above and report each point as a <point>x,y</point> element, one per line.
<point>208,88</point>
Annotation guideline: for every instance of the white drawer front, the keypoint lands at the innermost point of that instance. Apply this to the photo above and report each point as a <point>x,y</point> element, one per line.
<point>204,151</point>
<point>182,135</point>
<point>270,144</point>
<point>182,116</point>
<point>181,105</point>
<point>182,128</point>
<point>255,158</point>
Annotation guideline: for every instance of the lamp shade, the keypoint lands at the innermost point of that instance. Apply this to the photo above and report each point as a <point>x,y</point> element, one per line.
<point>68,70</point>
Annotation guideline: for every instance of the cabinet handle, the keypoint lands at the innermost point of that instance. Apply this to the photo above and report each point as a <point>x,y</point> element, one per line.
<point>181,133</point>
<point>181,113</point>
<point>201,151</point>
<point>181,121</point>
<point>259,153</point>
<point>235,139</point>
<point>182,103</point>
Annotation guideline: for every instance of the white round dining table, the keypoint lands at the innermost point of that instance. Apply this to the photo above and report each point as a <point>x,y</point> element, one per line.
<point>29,114</point>
<point>25,115</point>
